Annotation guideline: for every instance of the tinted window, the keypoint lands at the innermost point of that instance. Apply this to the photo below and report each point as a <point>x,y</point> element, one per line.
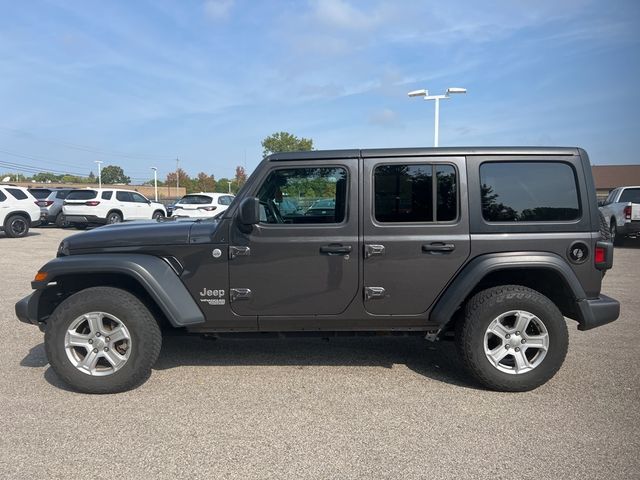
<point>82,195</point>
<point>195,200</point>
<point>404,193</point>
<point>138,198</point>
<point>528,192</point>
<point>40,193</point>
<point>17,193</point>
<point>62,194</point>
<point>309,187</point>
<point>3,197</point>
<point>226,200</point>
<point>124,197</point>
<point>107,195</point>
<point>630,195</point>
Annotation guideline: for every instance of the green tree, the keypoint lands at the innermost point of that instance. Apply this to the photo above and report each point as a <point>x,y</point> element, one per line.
<point>47,177</point>
<point>114,174</point>
<point>205,183</point>
<point>285,142</point>
<point>185,180</point>
<point>241,176</point>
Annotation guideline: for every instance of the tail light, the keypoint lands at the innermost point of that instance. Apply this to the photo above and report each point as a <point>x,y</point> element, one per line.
<point>208,208</point>
<point>627,212</point>
<point>92,203</point>
<point>603,255</point>
<point>44,203</point>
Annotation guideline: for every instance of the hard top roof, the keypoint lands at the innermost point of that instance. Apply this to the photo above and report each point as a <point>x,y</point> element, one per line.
<point>421,152</point>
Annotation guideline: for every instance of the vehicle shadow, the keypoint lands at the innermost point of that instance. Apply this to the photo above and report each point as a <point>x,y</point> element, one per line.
<point>31,233</point>
<point>437,361</point>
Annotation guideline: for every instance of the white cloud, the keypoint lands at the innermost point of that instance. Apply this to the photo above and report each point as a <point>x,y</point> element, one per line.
<point>218,9</point>
<point>341,14</point>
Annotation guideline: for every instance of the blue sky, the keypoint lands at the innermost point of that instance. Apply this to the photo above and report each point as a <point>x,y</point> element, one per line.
<point>138,83</point>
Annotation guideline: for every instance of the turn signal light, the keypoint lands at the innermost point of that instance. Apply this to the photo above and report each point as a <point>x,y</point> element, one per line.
<point>44,203</point>
<point>41,277</point>
<point>208,208</point>
<point>627,212</point>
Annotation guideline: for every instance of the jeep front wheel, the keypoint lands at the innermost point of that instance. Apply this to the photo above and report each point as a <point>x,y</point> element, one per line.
<point>512,338</point>
<point>102,340</point>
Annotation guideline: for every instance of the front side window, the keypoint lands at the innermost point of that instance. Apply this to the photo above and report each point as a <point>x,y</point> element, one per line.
<point>528,192</point>
<point>630,195</point>
<point>138,198</point>
<point>405,193</point>
<point>304,195</point>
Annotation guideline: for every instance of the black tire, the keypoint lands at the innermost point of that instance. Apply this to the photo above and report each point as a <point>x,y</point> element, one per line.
<point>114,217</point>
<point>146,339</point>
<point>488,305</point>
<point>157,215</point>
<point>61,222</point>
<point>16,226</point>
<point>605,232</point>
<point>618,240</point>
<point>43,223</point>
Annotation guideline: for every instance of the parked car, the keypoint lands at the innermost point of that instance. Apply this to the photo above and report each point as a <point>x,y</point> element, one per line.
<point>323,207</point>
<point>202,205</point>
<point>50,201</point>
<point>621,211</point>
<point>492,247</point>
<point>18,211</point>
<point>99,206</point>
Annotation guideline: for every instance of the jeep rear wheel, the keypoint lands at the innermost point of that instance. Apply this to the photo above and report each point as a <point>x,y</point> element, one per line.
<point>512,338</point>
<point>102,340</point>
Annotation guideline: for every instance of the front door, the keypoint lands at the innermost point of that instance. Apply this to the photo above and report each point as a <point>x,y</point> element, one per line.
<point>302,258</point>
<point>415,231</point>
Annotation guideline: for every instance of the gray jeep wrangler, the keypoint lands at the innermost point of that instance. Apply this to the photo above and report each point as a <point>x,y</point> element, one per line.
<point>490,246</point>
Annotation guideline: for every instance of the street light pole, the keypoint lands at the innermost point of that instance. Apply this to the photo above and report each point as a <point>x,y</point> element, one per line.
<point>229,186</point>
<point>436,98</point>
<point>155,181</point>
<point>99,162</point>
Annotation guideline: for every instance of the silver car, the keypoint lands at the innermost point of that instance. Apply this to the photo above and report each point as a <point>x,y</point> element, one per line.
<point>50,201</point>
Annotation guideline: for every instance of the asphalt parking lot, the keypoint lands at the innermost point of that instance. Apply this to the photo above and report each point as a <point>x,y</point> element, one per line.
<point>382,407</point>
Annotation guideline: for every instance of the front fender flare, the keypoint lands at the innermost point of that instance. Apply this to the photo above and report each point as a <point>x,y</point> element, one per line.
<point>479,267</point>
<point>154,274</point>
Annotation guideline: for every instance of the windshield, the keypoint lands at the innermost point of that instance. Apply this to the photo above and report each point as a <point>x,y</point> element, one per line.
<point>195,200</point>
<point>39,193</point>
<point>82,195</point>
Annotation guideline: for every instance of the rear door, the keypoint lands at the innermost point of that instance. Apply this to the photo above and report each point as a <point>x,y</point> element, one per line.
<point>415,231</point>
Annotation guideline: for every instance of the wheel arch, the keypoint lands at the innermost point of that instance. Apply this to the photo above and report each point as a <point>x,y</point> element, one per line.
<point>544,272</point>
<point>150,278</point>
<point>115,210</point>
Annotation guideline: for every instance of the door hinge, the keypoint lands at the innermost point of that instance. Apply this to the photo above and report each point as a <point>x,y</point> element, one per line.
<point>371,293</point>
<point>239,252</point>
<point>371,250</point>
<point>239,294</point>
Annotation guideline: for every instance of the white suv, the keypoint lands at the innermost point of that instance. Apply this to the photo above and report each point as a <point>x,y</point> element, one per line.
<point>19,210</point>
<point>99,206</point>
<point>202,205</point>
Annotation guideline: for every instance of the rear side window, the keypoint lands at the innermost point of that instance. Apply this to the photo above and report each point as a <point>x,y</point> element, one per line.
<point>82,195</point>
<point>40,193</point>
<point>405,193</point>
<point>630,195</point>
<point>195,200</point>
<point>107,195</point>
<point>17,193</point>
<point>3,197</point>
<point>124,197</point>
<point>528,192</point>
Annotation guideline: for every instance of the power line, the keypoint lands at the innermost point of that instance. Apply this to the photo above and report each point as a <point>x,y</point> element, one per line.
<point>87,148</point>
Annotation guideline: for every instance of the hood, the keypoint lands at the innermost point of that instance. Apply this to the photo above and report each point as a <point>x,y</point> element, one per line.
<point>131,235</point>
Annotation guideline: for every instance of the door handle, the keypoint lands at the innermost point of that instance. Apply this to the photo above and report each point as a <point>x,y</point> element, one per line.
<point>336,249</point>
<point>438,247</point>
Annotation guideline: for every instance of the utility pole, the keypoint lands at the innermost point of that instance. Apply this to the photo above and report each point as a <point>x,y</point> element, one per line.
<point>177,174</point>
<point>99,162</point>
<point>155,181</point>
<point>229,186</point>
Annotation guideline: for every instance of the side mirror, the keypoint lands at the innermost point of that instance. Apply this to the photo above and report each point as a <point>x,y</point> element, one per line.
<point>249,211</point>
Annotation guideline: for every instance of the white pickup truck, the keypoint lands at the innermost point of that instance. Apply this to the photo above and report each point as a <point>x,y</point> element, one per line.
<point>621,210</point>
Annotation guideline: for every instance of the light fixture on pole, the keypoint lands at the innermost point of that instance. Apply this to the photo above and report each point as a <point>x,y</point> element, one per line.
<point>155,181</point>
<point>99,162</point>
<point>425,94</point>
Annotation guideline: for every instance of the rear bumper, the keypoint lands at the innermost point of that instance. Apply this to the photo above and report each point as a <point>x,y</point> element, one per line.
<point>27,308</point>
<point>85,219</point>
<point>598,311</point>
<point>630,228</point>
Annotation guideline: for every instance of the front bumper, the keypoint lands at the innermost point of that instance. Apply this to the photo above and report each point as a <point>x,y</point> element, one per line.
<point>27,308</point>
<point>598,311</point>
